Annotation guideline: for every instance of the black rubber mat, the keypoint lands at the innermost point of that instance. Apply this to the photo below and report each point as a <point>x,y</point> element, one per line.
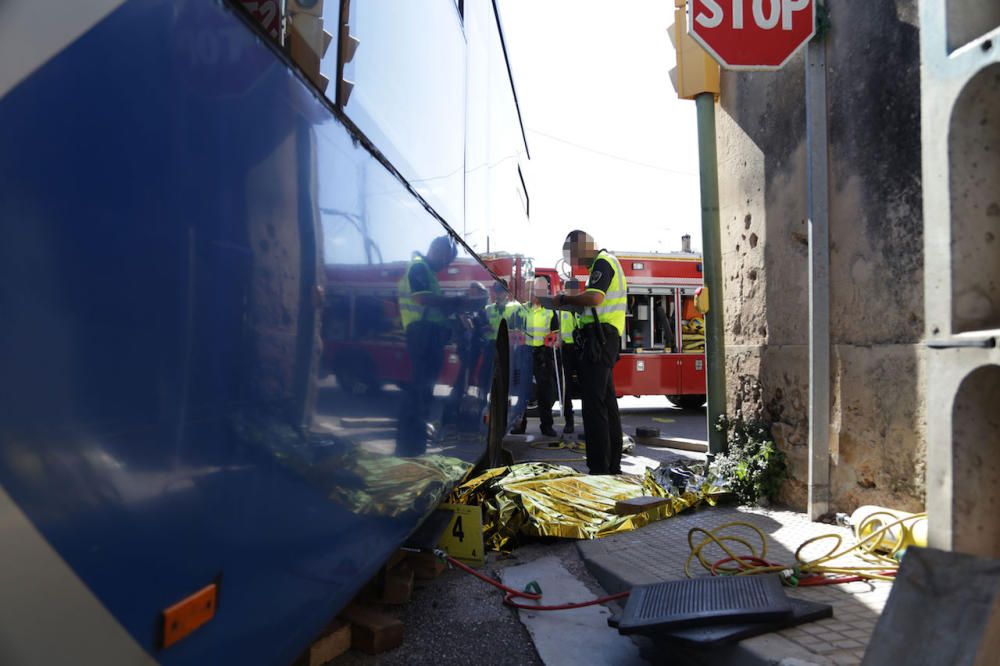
<point>802,611</point>
<point>703,601</point>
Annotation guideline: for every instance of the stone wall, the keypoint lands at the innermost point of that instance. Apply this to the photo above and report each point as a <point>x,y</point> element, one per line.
<point>876,261</point>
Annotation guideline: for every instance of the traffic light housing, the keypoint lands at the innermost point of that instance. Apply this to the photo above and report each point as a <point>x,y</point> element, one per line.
<point>696,72</point>
<point>307,40</point>
<point>347,45</point>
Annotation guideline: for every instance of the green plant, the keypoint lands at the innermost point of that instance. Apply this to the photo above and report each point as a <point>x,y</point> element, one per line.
<point>752,465</point>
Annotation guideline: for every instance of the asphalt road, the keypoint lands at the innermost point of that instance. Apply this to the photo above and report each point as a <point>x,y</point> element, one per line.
<point>457,619</point>
<point>658,412</point>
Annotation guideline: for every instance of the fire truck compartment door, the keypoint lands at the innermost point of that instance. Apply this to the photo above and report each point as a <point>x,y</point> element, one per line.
<point>645,374</point>
<point>692,374</point>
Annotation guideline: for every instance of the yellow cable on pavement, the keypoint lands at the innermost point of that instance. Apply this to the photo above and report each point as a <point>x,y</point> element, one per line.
<point>878,565</point>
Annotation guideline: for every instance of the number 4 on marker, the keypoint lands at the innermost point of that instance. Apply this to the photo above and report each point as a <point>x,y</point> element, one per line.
<point>456,530</point>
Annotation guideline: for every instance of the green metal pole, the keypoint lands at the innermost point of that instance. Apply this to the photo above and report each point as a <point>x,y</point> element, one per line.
<point>715,351</point>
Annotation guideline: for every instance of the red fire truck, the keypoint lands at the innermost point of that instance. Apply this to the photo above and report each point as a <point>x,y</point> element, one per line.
<point>363,341</point>
<point>663,349</point>
<point>519,272</point>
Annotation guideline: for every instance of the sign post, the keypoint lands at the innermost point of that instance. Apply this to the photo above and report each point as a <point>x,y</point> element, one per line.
<point>764,35</point>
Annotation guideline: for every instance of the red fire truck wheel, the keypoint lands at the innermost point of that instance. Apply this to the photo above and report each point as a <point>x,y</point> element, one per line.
<point>687,401</point>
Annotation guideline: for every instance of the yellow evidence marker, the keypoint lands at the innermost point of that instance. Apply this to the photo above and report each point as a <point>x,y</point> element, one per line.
<point>463,539</point>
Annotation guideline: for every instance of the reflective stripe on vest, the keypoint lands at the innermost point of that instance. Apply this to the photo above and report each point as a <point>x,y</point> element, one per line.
<point>612,309</point>
<point>411,311</point>
<point>567,324</point>
<point>539,325</point>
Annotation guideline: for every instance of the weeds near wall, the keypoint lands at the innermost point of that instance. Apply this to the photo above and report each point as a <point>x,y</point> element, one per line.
<point>753,466</point>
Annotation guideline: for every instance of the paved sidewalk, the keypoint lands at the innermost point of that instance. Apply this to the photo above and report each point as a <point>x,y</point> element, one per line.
<point>658,552</point>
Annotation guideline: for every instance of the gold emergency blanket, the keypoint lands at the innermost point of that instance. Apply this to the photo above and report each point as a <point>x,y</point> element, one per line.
<point>542,499</point>
<point>390,486</point>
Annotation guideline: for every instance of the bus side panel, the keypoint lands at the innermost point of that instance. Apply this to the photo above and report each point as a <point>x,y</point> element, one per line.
<point>166,230</point>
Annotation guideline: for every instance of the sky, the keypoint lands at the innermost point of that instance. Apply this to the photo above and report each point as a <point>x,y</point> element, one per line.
<point>613,150</point>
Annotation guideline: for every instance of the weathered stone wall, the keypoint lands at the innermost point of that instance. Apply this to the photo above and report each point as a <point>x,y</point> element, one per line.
<point>873,93</point>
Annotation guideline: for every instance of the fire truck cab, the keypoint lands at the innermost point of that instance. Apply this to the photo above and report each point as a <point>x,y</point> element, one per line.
<point>519,272</point>
<point>663,349</point>
<point>551,276</point>
<point>514,269</point>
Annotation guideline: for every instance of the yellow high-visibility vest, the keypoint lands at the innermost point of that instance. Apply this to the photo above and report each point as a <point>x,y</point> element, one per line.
<point>612,309</point>
<point>411,311</point>
<point>567,324</point>
<point>495,316</point>
<point>539,325</point>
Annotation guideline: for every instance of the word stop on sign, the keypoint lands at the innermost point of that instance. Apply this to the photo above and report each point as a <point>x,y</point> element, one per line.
<point>752,34</point>
<point>766,13</point>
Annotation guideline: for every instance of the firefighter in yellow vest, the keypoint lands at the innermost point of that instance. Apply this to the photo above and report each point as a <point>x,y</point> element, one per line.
<point>602,325</point>
<point>424,311</point>
<point>501,308</point>
<point>568,356</point>
<point>539,325</point>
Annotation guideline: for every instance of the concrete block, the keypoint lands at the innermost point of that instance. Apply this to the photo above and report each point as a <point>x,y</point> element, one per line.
<point>639,504</point>
<point>681,443</point>
<point>942,610</point>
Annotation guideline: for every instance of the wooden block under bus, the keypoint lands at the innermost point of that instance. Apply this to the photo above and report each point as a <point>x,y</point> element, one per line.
<point>372,632</point>
<point>335,642</point>
<point>426,566</point>
<point>396,559</point>
<point>398,586</point>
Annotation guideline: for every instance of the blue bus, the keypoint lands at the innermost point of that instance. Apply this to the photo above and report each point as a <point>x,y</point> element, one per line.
<point>245,343</point>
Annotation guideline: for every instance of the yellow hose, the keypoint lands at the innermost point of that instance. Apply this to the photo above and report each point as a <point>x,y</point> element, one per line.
<point>879,565</point>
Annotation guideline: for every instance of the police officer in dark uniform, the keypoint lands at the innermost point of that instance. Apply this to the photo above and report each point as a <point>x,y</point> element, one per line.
<point>602,324</point>
<point>568,356</point>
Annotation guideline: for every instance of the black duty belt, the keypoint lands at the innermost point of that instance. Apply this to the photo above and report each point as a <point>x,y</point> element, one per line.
<point>591,327</point>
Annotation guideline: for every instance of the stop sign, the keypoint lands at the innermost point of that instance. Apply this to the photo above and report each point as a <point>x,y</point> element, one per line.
<point>752,34</point>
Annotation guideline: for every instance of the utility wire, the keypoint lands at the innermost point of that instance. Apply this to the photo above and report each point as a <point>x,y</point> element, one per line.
<point>612,155</point>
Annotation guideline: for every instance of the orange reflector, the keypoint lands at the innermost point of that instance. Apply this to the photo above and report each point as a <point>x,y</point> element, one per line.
<point>185,616</point>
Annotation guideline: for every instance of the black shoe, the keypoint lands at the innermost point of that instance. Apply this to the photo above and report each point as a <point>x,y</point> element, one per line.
<point>549,431</point>
<point>569,429</point>
<point>517,431</point>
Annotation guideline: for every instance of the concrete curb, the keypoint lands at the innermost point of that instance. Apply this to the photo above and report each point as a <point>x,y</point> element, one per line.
<point>603,565</point>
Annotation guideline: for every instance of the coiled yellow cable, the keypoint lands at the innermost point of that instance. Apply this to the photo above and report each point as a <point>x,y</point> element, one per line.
<point>879,565</point>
